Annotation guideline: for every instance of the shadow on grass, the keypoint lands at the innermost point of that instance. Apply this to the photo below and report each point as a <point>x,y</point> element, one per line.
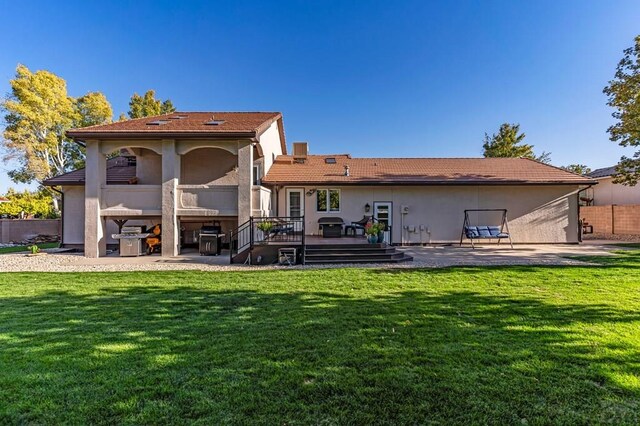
<point>155,354</point>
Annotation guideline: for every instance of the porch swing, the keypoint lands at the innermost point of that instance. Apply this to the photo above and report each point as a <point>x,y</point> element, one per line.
<point>485,232</point>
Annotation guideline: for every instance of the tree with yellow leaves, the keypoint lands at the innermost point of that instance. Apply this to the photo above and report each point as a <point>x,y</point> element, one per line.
<point>38,112</point>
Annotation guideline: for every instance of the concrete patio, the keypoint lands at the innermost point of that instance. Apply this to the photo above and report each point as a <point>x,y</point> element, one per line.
<point>424,257</point>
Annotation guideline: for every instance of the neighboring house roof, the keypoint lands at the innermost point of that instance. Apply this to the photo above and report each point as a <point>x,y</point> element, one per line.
<point>4,200</point>
<point>120,171</point>
<point>430,171</point>
<point>209,125</point>
<point>601,173</point>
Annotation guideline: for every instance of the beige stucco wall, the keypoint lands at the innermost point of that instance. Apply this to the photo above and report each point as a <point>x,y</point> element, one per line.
<point>73,215</point>
<point>209,166</point>
<point>270,145</point>
<point>148,167</point>
<point>73,218</point>
<point>606,193</point>
<point>537,214</point>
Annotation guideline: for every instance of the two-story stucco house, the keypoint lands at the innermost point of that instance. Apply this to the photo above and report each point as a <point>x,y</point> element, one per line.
<point>186,169</point>
<point>177,169</point>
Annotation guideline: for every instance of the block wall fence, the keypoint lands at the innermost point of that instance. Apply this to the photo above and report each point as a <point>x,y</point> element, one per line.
<point>612,219</point>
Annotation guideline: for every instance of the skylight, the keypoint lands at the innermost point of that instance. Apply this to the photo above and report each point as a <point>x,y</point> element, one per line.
<point>330,160</point>
<point>157,122</point>
<point>214,123</point>
<point>177,117</point>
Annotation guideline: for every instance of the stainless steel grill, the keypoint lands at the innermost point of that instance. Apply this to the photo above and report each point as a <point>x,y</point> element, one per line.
<point>210,238</point>
<point>131,240</point>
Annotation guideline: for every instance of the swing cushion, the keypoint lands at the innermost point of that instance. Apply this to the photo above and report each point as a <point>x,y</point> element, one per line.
<point>473,232</point>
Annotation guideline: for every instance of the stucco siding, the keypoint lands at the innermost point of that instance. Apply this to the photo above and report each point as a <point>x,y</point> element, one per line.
<point>73,215</point>
<point>149,168</point>
<point>537,214</point>
<point>209,166</point>
<point>606,193</point>
<point>271,145</point>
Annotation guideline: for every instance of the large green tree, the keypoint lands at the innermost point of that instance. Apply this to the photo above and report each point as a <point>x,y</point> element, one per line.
<point>623,94</point>
<point>509,142</point>
<point>28,203</point>
<point>38,112</point>
<point>147,105</point>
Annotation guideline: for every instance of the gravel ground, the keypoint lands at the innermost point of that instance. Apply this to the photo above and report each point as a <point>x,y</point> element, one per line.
<point>423,258</point>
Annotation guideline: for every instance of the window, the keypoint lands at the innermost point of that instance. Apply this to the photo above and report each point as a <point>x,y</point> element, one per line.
<point>328,200</point>
<point>330,160</point>
<point>256,174</point>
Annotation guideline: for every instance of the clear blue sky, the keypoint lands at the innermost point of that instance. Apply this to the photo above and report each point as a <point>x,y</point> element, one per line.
<point>405,78</point>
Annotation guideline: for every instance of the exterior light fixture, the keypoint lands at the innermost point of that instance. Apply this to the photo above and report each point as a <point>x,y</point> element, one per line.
<point>367,208</point>
<point>311,192</point>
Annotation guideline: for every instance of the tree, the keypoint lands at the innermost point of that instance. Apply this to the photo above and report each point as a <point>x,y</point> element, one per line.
<point>579,169</point>
<point>508,142</point>
<point>147,105</point>
<point>38,112</point>
<point>623,94</point>
<point>31,204</point>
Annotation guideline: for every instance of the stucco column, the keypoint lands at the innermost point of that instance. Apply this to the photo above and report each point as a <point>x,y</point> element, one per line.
<point>95,241</point>
<point>170,179</point>
<point>245,181</point>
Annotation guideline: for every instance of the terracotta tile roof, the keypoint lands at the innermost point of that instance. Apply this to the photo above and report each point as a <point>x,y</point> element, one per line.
<point>428,171</point>
<point>190,123</point>
<point>119,172</point>
<point>4,200</point>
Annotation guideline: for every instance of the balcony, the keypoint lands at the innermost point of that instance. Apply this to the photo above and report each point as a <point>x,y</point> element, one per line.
<point>207,200</point>
<point>131,200</point>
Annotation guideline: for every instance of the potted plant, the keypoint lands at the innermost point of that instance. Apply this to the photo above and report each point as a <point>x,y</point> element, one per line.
<point>371,230</point>
<point>266,228</point>
<point>381,229</point>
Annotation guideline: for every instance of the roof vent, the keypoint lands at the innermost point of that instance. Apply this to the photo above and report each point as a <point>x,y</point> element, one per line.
<point>330,160</point>
<point>157,122</point>
<point>300,151</point>
<point>213,122</point>
<point>346,171</point>
<point>177,117</point>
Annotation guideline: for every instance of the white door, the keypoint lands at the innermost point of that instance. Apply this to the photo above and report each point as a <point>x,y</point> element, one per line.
<point>383,213</point>
<point>295,206</point>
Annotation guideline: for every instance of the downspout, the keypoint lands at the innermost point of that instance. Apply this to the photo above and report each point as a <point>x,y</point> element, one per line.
<point>61,215</point>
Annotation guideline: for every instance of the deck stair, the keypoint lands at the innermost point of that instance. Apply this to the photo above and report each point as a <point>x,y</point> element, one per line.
<point>353,253</point>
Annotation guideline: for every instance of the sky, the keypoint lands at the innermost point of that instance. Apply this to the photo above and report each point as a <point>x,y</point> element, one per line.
<point>371,78</point>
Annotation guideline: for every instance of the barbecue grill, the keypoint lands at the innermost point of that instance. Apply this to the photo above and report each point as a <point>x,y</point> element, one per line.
<point>210,238</point>
<point>331,227</point>
<point>130,238</point>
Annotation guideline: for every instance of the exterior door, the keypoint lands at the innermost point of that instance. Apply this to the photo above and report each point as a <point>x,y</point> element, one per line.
<point>383,213</point>
<point>295,206</point>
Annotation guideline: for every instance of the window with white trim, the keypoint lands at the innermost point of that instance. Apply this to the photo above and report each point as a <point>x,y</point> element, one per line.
<point>257,177</point>
<point>328,200</point>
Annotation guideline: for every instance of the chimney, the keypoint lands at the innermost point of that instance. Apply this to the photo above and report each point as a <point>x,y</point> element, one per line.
<point>300,151</point>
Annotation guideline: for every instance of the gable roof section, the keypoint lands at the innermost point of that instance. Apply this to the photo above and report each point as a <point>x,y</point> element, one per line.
<point>119,172</point>
<point>418,171</point>
<point>246,125</point>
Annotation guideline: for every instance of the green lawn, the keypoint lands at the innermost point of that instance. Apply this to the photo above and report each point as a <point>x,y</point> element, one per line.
<point>17,249</point>
<point>501,345</point>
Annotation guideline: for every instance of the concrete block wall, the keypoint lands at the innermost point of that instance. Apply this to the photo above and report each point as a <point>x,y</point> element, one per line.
<point>22,229</point>
<point>613,219</point>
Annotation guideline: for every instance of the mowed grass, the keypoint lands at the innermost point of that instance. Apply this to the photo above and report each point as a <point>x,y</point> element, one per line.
<point>501,345</point>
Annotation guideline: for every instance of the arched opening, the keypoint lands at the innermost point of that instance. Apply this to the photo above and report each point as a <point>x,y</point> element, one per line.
<point>209,166</point>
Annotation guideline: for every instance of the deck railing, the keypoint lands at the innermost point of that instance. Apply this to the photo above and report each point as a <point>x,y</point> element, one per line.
<point>260,231</point>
